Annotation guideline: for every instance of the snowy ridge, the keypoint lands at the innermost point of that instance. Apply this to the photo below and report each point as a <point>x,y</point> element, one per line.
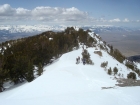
<point>66,83</point>
<point>112,62</point>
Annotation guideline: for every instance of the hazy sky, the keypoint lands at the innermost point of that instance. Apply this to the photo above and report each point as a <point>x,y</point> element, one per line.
<point>71,12</point>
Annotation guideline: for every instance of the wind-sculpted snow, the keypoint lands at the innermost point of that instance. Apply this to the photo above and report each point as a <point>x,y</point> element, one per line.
<point>66,83</point>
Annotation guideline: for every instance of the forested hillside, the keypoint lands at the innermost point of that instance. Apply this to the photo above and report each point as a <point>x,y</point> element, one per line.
<point>18,58</point>
<point>23,59</point>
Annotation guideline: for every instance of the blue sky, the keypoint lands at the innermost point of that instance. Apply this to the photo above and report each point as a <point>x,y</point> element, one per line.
<point>71,12</point>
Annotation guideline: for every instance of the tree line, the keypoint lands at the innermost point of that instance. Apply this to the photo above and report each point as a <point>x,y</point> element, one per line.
<point>18,58</point>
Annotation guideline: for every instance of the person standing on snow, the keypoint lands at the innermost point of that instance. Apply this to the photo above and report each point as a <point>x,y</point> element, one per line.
<point>84,61</point>
<point>78,59</point>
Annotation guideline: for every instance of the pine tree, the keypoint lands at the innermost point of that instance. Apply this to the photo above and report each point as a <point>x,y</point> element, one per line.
<point>131,75</point>
<point>30,72</point>
<point>86,56</point>
<point>110,71</point>
<point>4,75</point>
<point>1,80</point>
<point>40,69</point>
<point>1,74</point>
<point>115,70</point>
<point>111,50</point>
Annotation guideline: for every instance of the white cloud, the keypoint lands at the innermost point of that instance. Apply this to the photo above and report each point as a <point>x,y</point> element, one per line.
<point>126,20</point>
<point>22,12</point>
<point>52,15</point>
<point>46,14</point>
<point>6,10</point>
<point>59,14</point>
<point>102,20</point>
<point>115,20</point>
<point>99,20</point>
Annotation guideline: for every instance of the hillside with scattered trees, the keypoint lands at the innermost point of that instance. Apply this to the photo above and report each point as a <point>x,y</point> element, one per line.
<point>23,59</point>
<point>18,58</point>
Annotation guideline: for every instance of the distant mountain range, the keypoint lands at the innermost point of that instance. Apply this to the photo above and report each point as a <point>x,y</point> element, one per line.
<point>8,32</point>
<point>108,28</point>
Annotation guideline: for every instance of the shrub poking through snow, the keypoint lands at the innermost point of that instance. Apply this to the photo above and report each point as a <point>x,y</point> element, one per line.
<point>115,70</point>
<point>102,47</point>
<point>129,65</point>
<point>98,52</point>
<point>90,62</point>
<point>86,57</point>
<point>131,75</point>
<point>104,64</point>
<point>85,54</point>
<point>109,71</point>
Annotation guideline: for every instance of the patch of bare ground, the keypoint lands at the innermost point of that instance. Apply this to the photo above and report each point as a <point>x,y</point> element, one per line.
<point>108,87</point>
<point>122,82</point>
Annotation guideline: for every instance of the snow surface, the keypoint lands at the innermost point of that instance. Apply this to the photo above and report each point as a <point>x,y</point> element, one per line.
<point>66,83</point>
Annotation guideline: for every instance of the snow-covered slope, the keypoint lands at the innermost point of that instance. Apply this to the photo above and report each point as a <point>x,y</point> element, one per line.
<point>66,83</point>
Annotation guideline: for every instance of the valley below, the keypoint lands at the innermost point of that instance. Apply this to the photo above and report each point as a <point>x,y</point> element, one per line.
<point>126,42</point>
